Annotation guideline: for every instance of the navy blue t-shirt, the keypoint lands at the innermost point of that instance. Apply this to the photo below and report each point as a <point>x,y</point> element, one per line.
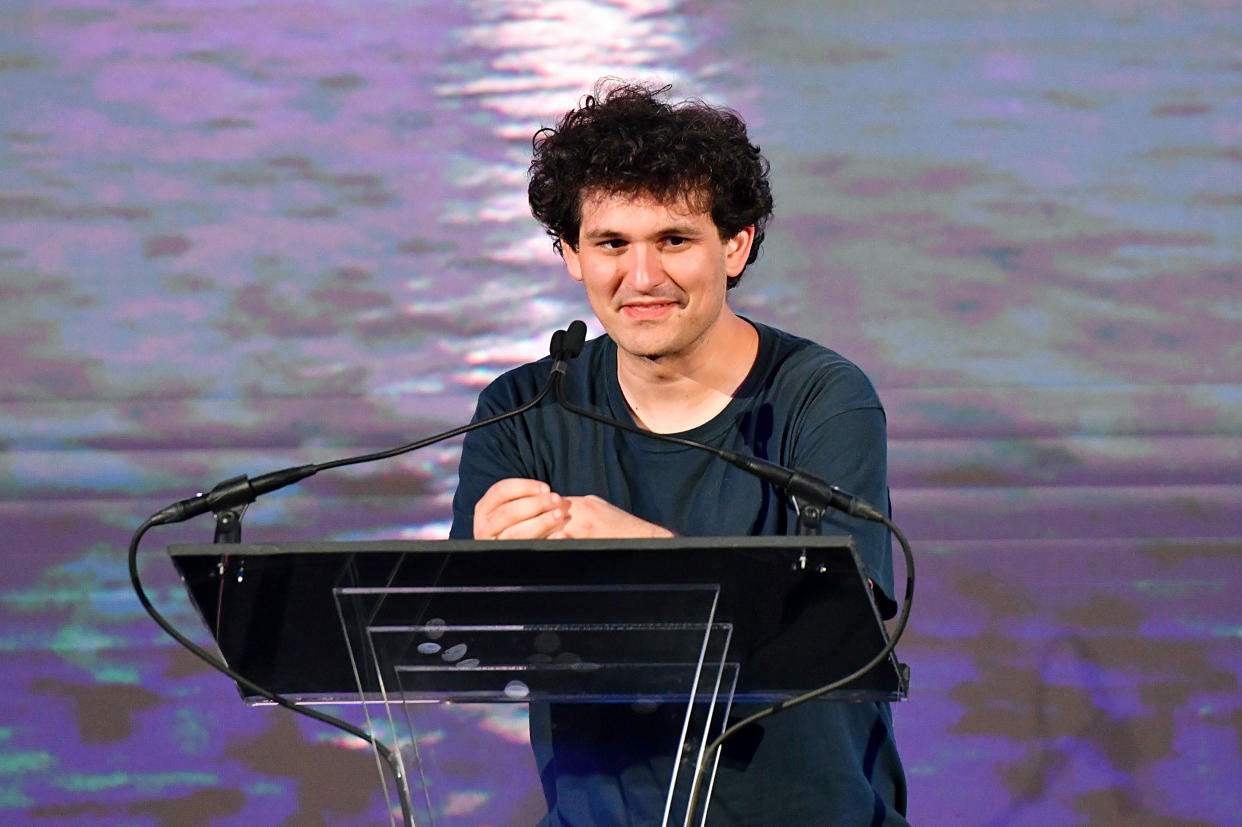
<point>802,406</point>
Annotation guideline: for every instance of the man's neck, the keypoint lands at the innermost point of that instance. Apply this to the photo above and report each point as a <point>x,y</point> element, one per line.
<point>676,393</point>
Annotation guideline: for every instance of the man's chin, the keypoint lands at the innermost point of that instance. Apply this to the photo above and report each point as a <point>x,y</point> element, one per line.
<point>646,347</point>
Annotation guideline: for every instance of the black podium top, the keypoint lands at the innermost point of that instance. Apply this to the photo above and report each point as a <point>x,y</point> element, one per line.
<point>802,612</point>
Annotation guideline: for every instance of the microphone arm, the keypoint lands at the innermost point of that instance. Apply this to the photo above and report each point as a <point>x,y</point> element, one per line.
<point>242,490</point>
<point>233,495</point>
<point>797,483</point>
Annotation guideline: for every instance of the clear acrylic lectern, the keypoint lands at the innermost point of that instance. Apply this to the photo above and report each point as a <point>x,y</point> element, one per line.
<point>458,649</point>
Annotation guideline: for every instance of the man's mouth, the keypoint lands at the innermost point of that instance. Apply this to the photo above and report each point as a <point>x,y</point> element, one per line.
<point>644,311</point>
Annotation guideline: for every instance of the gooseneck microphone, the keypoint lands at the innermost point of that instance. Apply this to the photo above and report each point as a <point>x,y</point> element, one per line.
<point>795,482</point>
<point>240,491</point>
<point>574,339</point>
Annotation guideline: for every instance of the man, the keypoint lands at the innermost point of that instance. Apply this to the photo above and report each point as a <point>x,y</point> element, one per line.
<point>657,209</point>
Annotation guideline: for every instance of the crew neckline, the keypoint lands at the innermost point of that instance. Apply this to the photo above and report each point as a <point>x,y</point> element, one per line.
<point>713,427</point>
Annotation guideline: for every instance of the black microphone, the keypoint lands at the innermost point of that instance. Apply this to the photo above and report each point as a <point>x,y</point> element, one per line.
<point>242,490</point>
<point>575,338</point>
<point>798,483</point>
<point>801,484</point>
<point>239,491</point>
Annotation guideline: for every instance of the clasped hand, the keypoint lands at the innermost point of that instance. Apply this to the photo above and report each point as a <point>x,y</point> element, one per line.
<point>522,509</point>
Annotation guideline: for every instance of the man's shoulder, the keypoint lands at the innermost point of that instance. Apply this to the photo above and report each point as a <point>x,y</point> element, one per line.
<point>793,354</point>
<point>795,364</point>
<point>522,382</point>
<point>517,380</point>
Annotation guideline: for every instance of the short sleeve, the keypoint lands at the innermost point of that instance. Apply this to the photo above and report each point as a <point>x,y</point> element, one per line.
<point>488,455</point>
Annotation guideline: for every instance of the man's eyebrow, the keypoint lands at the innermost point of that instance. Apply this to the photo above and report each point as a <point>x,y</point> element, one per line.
<point>601,232</point>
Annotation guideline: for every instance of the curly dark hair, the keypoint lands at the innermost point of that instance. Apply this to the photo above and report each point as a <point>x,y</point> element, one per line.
<point>624,139</point>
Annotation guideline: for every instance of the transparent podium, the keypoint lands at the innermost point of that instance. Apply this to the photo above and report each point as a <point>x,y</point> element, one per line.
<point>643,646</point>
<point>514,676</point>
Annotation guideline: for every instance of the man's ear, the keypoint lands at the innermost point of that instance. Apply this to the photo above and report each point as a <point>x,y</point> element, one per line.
<point>572,264</point>
<point>737,250</point>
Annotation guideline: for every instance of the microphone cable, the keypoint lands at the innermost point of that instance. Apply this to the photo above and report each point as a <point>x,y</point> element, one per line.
<point>795,482</point>
<point>242,490</point>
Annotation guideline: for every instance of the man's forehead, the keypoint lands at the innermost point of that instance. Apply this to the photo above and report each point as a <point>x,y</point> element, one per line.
<point>682,207</point>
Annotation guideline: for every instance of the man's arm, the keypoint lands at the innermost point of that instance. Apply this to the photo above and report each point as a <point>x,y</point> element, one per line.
<point>595,517</point>
<point>520,509</point>
<point>850,450</point>
<point>498,495</point>
<point>523,509</point>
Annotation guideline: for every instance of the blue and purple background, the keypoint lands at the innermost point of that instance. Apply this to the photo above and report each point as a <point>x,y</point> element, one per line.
<point>238,236</point>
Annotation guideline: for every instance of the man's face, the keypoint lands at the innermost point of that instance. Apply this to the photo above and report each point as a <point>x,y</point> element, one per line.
<point>655,274</point>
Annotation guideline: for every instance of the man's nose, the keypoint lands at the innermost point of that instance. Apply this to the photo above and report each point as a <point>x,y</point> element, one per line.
<point>647,268</point>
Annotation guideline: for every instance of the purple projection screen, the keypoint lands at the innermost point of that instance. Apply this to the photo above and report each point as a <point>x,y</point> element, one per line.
<point>241,236</point>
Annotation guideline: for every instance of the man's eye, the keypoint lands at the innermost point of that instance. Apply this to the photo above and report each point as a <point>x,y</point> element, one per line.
<point>675,240</point>
<point>612,244</point>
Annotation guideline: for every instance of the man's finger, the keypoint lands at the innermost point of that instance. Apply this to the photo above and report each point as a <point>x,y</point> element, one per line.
<point>512,488</point>
<point>518,509</point>
<point>540,527</point>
